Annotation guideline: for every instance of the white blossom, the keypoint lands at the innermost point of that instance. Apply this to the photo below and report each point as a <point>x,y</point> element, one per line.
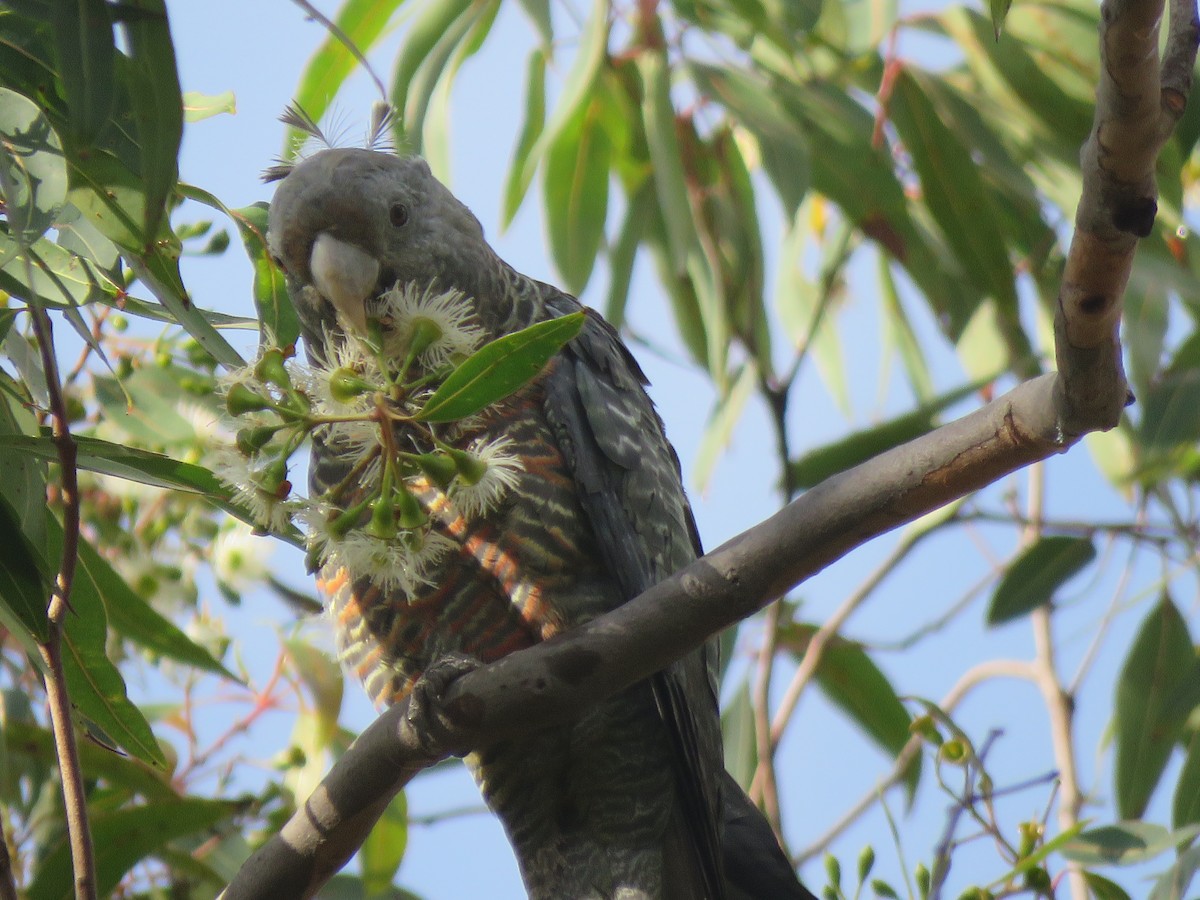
<point>450,312</point>
<point>401,563</point>
<point>239,557</point>
<point>501,474</point>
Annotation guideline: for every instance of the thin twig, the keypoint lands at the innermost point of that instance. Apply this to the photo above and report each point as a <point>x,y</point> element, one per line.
<point>764,787</point>
<point>972,678</point>
<point>8,886</point>
<point>963,804</point>
<point>815,651</point>
<point>74,794</point>
<point>1060,705</point>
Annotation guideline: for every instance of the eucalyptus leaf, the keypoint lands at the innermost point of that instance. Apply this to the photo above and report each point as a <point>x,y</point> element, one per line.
<point>1033,577</point>
<point>499,368</point>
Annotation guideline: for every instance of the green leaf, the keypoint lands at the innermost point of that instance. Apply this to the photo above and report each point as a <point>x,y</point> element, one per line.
<point>576,90</point>
<point>22,477</point>
<point>198,106</point>
<point>623,252</point>
<point>24,579</point>
<point>1125,843</point>
<point>1039,855</point>
<point>59,277</point>
<point>498,369</point>
<point>1160,670</point>
<point>999,10</point>
<point>271,298</point>
<point>131,616</point>
<point>576,195</point>
<point>83,37</point>
<point>33,173</point>
<point>737,733</point>
<point>426,122</point>
<point>1174,882</point>
<point>953,189</point>
<point>721,424</point>
<point>539,14</point>
<point>853,683</point>
<point>161,275</point>
<point>1034,576</point>
<point>125,837</point>
<point>899,333</point>
<point>383,850</point>
<point>422,39</point>
<point>819,464</point>
<point>276,313</point>
<point>148,405</point>
<point>658,118</point>
<point>362,22</point>
<point>95,685</point>
<point>1103,889</point>
<point>531,129</point>
<point>781,144</point>
<point>1186,807</point>
<point>1169,410</point>
<point>153,82</point>
<point>97,761</point>
<point>107,458</point>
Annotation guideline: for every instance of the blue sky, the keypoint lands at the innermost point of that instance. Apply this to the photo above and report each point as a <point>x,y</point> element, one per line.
<point>258,50</point>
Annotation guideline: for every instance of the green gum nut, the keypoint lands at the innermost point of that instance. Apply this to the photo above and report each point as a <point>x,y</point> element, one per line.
<point>250,440</point>
<point>345,385</point>
<point>411,513</point>
<point>866,862</point>
<point>383,519</point>
<point>241,400</point>
<point>440,468</point>
<point>273,479</point>
<point>470,467</point>
<point>270,368</point>
<point>344,521</point>
<point>424,333</point>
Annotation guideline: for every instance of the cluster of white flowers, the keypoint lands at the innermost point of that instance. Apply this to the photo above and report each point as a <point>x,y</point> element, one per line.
<point>365,388</point>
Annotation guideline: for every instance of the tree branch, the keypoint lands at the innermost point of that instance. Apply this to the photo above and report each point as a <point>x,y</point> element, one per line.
<point>74,794</point>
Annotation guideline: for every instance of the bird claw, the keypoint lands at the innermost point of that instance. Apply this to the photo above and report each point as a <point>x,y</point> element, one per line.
<point>427,714</point>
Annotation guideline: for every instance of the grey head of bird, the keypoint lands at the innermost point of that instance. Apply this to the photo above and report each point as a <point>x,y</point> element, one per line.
<point>346,224</point>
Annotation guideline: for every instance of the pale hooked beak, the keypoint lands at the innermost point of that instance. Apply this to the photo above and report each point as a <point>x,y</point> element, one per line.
<point>346,276</point>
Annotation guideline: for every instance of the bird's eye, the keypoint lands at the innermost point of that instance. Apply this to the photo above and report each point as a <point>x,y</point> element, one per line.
<point>398,214</point>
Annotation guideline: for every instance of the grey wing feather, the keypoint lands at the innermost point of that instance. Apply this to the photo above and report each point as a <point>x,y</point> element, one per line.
<point>630,488</point>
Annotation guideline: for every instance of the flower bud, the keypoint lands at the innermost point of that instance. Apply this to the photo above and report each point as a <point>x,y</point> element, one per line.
<point>833,870</point>
<point>340,525</point>
<point>424,333</point>
<point>866,862</point>
<point>273,479</point>
<point>411,513</point>
<point>923,879</point>
<point>1037,879</point>
<point>383,519</point>
<point>470,467</point>
<point>241,400</point>
<point>345,385</point>
<point>953,751</point>
<point>439,467</point>
<point>250,440</point>
<point>1031,833</point>
<point>270,368</point>
<point>925,727</point>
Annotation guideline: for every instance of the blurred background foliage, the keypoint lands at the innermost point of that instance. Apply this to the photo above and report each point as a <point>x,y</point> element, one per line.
<point>669,131</point>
